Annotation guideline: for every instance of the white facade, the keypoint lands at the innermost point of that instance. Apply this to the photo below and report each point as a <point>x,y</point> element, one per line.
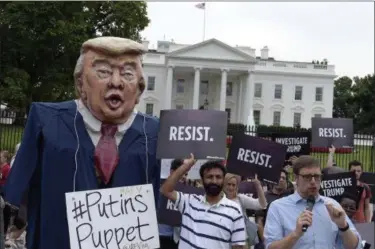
<point>217,76</point>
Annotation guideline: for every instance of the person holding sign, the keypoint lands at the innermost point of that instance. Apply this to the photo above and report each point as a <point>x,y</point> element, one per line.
<point>96,141</point>
<point>210,221</point>
<point>305,219</point>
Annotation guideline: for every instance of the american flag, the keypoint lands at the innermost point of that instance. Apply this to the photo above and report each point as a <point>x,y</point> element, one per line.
<point>201,6</point>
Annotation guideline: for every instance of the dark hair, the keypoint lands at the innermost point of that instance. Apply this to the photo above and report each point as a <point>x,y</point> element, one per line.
<point>212,165</point>
<point>355,163</point>
<point>176,163</point>
<point>285,172</point>
<point>349,196</point>
<point>305,162</point>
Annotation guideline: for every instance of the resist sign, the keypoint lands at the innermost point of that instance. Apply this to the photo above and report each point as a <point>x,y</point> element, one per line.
<point>250,155</point>
<point>336,131</point>
<point>202,132</point>
<point>121,218</point>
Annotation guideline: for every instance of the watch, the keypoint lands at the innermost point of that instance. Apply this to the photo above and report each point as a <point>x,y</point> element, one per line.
<point>344,229</point>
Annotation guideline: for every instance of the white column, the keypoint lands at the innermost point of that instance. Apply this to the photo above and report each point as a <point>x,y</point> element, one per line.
<point>247,97</point>
<point>223,88</point>
<point>197,79</point>
<point>239,100</point>
<point>169,87</point>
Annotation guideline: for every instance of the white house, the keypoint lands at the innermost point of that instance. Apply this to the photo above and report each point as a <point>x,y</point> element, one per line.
<point>214,75</point>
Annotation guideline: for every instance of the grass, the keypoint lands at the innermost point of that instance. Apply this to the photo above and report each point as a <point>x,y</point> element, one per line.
<point>10,136</point>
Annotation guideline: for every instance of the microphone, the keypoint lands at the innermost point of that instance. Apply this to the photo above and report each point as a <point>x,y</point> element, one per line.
<point>309,206</point>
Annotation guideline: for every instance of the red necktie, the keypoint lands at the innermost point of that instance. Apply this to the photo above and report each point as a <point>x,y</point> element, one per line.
<point>106,153</point>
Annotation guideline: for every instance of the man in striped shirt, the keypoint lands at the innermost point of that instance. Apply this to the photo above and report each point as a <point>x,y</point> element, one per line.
<point>211,221</point>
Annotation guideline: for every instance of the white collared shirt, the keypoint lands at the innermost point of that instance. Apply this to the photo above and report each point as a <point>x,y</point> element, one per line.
<point>93,125</point>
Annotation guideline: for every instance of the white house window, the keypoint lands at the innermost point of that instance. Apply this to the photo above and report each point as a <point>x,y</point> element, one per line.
<point>180,86</point>
<point>258,90</point>
<point>204,87</point>
<point>179,106</point>
<point>278,91</point>
<point>150,109</point>
<point>150,83</point>
<point>229,88</point>
<point>256,116</point>
<point>298,93</point>
<point>276,118</point>
<point>318,115</point>
<point>297,119</point>
<point>319,94</point>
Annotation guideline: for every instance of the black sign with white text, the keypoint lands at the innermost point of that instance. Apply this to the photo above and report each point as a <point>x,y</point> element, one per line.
<point>168,213</point>
<point>250,155</point>
<point>201,132</point>
<point>298,142</point>
<point>328,131</point>
<point>334,185</point>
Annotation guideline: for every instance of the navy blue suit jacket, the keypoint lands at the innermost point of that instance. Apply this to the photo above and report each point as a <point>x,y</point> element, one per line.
<point>45,166</point>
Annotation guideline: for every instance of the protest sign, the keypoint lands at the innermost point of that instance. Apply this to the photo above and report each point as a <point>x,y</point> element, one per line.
<point>248,188</point>
<point>369,179</point>
<point>332,131</point>
<point>298,142</point>
<point>334,185</point>
<point>168,213</point>
<point>367,232</point>
<point>193,173</point>
<point>201,132</point>
<point>122,217</point>
<point>250,155</point>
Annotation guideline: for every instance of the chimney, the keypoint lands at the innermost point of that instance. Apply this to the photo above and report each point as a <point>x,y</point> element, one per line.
<point>264,53</point>
<point>145,44</point>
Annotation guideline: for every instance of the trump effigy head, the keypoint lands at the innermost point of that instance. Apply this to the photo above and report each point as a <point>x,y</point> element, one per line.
<point>109,77</point>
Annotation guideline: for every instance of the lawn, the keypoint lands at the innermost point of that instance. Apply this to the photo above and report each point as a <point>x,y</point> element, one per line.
<point>10,135</point>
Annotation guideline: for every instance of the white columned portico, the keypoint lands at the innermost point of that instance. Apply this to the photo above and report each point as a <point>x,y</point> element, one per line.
<point>248,97</point>
<point>223,88</point>
<point>169,87</point>
<point>197,79</point>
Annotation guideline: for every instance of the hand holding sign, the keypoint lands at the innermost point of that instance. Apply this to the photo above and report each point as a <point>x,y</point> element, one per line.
<point>190,162</point>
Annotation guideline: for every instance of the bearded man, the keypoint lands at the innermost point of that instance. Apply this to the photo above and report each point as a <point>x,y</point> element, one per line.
<point>97,141</point>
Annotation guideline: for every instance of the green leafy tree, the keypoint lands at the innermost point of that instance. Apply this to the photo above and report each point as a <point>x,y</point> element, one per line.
<point>344,105</point>
<point>40,42</point>
<point>364,97</point>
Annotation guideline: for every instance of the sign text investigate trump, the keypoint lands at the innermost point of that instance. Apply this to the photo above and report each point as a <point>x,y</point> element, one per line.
<point>116,218</point>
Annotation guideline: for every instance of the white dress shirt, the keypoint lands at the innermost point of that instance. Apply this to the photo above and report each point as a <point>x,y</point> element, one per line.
<point>93,125</point>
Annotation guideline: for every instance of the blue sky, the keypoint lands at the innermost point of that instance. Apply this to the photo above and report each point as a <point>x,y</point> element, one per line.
<point>342,32</point>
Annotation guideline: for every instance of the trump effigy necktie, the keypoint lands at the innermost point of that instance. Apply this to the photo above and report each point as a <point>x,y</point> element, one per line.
<point>106,152</point>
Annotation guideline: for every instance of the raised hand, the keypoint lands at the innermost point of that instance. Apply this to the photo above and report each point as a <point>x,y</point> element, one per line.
<point>190,161</point>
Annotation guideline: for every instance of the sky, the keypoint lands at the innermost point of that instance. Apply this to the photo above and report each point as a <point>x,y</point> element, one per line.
<point>341,32</point>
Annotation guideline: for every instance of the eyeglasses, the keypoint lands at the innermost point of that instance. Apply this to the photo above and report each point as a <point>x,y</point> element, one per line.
<point>309,177</point>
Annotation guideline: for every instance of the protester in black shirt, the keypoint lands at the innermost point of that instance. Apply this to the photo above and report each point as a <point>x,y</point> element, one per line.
<point>278,191</point>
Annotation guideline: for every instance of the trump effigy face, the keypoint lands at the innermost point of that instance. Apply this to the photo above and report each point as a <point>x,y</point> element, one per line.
<point>111,85</point>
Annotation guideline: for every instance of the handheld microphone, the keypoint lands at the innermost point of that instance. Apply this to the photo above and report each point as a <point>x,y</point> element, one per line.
<point>309,206</point>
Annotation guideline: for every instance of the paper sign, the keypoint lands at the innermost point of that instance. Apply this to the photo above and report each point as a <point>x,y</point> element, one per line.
<point>201,132</point>
<point>122,218</point>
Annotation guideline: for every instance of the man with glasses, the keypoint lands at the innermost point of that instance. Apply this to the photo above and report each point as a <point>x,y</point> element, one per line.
<point>328,225</point>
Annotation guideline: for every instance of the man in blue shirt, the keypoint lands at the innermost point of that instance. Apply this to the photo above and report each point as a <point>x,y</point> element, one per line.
<point>328,225</point>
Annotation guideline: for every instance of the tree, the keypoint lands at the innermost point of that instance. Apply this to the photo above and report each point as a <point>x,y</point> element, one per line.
<point>344,105</point>
<point>364,97</point>
<point>40,42</point>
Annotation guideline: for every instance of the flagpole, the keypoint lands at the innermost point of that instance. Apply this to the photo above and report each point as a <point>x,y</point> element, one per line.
<point>204,20</point>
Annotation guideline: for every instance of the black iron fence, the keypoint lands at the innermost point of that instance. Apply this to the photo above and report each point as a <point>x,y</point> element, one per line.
<point>12,126</point>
